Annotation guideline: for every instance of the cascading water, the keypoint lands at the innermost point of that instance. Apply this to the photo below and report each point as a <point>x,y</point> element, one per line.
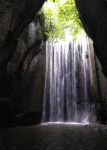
<point>66,95</point>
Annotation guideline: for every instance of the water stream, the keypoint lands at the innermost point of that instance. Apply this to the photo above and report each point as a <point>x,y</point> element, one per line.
<point>66,95</point>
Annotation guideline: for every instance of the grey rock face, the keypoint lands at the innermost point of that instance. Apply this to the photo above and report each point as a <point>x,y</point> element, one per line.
<point>15,16</point>
<point>22,78</point>
<point>93,14</point>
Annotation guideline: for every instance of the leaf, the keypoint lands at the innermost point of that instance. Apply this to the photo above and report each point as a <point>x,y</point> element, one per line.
<point>63,14</point>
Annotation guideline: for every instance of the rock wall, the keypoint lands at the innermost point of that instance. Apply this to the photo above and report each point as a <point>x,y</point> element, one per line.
<point>101,103</point>
<point>98,88</point>
<point>22,62</point>
<point>28,66</point>
<point>22,58</point>
<point>93,14</point>
<point>15,16</point>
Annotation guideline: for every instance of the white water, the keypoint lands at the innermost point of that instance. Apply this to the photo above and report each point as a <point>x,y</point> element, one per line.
<point>66,95</point>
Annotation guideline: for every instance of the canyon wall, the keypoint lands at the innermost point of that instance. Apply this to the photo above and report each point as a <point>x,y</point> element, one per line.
<point>22,58</point>
<point>93,14</point>
<point>98,87</point>
<point>22,62</point>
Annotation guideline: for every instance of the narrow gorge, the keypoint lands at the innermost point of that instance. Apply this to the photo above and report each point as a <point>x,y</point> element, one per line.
<point>47,83</point>
<point>74,73</point>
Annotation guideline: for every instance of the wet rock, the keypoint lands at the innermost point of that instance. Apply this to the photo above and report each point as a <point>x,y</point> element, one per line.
<point>95,24</point>
<point>9,119</point>
<point>22,60</point>
<point>97,127</point>
<point>15,16</point>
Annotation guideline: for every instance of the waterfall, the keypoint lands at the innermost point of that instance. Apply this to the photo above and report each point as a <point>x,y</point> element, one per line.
<point>67,94</point>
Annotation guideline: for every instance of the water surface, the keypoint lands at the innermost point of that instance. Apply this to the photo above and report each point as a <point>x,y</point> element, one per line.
<point>53,137</point>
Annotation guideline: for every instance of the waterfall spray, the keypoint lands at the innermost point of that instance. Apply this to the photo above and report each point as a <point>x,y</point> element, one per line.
<point>66,95</point>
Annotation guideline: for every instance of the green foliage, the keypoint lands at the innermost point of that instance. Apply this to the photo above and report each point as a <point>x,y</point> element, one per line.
<point>59,15</point>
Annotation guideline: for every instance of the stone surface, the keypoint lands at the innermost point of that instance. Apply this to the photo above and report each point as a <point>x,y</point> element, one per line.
<point>22,79</point>
<point>101,102</point>
<point>9,119</point>
<point>93,14</point>
<point>97,127</point>
<point>98,87</point>
<point>15,16</point>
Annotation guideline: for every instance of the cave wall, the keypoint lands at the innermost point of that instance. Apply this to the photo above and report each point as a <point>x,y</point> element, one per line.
<point>28,68</point>
<point>93,14</point>
<point>22,54</point>
<point>15,16</point>
<point>101,103</point>
<point>26,64</point>
<point>22,62</point>
<point>98,88</point>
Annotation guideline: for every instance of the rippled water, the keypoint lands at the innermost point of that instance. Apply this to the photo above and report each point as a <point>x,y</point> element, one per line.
<point>53,137</point>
